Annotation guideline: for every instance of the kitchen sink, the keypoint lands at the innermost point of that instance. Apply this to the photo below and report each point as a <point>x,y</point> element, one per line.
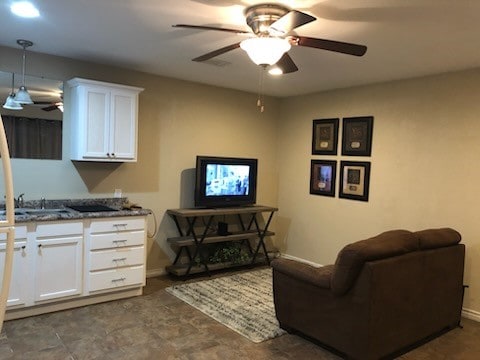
<point>17,212</point>
<point>45,211</point>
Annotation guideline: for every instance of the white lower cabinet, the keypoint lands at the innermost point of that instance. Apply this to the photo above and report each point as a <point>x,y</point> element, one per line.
<point>58,260</point>
<point>61,264</point>
<point>115,254</point>
<point>18,294</point>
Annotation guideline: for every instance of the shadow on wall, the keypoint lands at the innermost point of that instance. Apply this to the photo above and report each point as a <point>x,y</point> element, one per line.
<point>166,229</point>
<point>93,174</point>
<point>187,188</point>
<point>282,226</point>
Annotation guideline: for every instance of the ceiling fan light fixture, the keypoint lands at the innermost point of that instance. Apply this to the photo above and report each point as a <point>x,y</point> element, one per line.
<point>276,71</point>
<point>265,50</point>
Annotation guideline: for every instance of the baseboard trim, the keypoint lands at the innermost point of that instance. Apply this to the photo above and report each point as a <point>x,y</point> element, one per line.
<point>471,314</point>
<point>290,257</point>
<point>155,272</point>
<point>18,313</point>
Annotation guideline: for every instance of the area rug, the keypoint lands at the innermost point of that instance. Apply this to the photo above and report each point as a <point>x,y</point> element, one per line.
<point>243,302</point>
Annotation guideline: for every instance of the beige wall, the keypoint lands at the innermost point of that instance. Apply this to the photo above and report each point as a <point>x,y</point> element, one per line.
<point>424,171</point>
<point>177,121</point>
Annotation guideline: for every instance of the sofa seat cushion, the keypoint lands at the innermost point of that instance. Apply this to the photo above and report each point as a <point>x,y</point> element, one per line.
<point>351,258</point>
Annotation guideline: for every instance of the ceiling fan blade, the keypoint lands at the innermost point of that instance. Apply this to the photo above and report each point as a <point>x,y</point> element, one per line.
<point>286,64</point>
<point>50,108</point>
<point>201,27</point>
<point>217,52</point>
<point>337,46</point>
<point>290,21</point>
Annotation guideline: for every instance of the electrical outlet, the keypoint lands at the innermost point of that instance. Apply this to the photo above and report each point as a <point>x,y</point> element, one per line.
<point>117,193</point>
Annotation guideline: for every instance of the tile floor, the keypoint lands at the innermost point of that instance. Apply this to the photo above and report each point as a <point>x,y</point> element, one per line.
<point>159,326</point>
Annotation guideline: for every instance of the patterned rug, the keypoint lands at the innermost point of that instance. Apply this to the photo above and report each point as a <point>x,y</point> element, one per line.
<point>243,302</point>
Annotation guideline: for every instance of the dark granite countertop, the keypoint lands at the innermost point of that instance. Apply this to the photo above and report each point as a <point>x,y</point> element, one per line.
<point>55,210</point>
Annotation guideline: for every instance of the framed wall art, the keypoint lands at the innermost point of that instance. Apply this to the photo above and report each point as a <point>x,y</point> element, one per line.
<point>322,177</point>
<point>325,137</point>
<point>354,180</point>
<point>357,136</point>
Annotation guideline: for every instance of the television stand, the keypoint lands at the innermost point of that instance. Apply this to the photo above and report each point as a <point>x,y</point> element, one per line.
<point>199,234</point>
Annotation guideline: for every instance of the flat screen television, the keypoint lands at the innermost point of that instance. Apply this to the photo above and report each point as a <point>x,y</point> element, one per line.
<point>225,181</point>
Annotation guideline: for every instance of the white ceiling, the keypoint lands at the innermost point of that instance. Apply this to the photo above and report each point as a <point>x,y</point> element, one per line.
<point>405,38</point>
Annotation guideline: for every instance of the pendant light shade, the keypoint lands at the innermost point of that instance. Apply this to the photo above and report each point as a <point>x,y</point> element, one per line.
<point>11,103</point>
<point>265,50</point>
<point>23,97</point>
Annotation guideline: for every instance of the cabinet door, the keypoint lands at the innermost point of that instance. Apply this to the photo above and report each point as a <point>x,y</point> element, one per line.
<point>58,267</point>
<point>123,125</point>
<point>97,122</point>
<point>20,279</point>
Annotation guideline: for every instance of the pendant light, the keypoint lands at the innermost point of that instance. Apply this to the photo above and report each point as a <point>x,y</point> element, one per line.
<point>23,97</point>
<point>11,103</point>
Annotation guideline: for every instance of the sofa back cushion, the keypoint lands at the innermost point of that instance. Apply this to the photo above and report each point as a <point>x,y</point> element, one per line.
<point>351,258</point>
<point>436,238</point>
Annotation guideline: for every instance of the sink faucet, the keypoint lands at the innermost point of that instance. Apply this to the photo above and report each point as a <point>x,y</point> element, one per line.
<point>42,203</point>
<point>19,201</point>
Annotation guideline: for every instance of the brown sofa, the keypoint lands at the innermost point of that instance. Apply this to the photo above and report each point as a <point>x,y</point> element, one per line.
<point>382,295</point>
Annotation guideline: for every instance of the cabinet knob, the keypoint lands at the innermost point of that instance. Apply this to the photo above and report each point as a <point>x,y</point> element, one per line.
<point>108,154</point>
<point>39,245</point>
<point>23,247</point>
<point>113,154</point>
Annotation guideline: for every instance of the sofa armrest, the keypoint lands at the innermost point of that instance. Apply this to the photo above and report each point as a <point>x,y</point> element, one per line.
<point>318,276</point>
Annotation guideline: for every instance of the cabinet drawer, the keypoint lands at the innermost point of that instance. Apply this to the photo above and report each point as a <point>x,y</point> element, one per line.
<point>116,258</point>
<point>18,244</point>
<point>117,225</point>
<point>117,240</point>
<point>59,229</point>
<point>20,233</point>
<point>116,278</point>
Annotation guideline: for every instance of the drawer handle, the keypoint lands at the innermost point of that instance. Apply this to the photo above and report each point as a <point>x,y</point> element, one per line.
<point>117,280</point>
<point>120,259</point>
<point>116,242</point>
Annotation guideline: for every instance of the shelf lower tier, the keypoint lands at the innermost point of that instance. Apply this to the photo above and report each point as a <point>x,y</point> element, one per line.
<point>181,270</point>
<point>209,239</point>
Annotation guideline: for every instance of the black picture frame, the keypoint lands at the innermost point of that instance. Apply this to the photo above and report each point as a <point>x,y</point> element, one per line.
<point>325,136</point>
<point>357,135</point>
<point>354,180</point>
<point>323,175</point>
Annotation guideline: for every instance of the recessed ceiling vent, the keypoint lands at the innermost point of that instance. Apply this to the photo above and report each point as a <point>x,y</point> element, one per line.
<point>217,62</point>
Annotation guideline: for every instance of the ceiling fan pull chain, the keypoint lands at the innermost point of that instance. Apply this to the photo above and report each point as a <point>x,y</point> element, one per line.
<point>260,102</point>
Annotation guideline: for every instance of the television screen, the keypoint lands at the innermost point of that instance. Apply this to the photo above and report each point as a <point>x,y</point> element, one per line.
<point>222,181</point>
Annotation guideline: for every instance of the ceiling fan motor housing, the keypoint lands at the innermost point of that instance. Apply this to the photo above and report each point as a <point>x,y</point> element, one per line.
<point>260,17</point>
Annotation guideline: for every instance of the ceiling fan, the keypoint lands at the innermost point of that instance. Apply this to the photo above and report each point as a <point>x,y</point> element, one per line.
<point>272,25</point>
<point>50,106</point>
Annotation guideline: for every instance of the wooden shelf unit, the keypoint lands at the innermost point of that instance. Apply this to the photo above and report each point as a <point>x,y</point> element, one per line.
<point>195,234</point>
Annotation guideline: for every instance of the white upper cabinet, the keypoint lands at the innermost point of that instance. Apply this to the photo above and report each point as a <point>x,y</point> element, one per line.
<point>104,120</point>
